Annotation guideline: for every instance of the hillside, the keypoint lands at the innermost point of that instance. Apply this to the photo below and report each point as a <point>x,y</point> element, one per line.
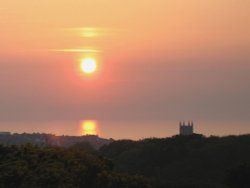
<point>191,161</point>
<point>178,162</point>
<point>27,166</point>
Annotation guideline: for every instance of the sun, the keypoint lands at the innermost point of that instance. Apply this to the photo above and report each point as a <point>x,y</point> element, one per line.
<point>88,65</point>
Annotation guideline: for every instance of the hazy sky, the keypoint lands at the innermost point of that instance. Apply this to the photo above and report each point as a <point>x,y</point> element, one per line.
<point>159,60</point>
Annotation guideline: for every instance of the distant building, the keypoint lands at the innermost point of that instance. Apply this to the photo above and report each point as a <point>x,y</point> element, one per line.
<point>7,138</point>
<point>5,133</point>
<point>186,129</point>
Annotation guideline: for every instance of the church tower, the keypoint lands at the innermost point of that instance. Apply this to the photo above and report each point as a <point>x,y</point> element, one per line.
<point>186,129</point>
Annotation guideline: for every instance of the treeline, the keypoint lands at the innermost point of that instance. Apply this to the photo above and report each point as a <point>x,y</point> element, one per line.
<point>185,161</point>
<point>28,166</point>
<point>178,162</point>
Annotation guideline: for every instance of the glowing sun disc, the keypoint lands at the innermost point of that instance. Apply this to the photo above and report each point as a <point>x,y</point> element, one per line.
<point>88,65</point>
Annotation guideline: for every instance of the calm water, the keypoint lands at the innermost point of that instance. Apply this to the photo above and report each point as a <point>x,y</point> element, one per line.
<point>130,129</point>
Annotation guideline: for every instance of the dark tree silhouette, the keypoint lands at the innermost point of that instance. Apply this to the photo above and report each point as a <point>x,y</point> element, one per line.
<point>239,177</point>
<point>53,167</point>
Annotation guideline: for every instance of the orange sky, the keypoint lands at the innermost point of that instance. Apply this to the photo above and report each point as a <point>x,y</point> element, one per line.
<point>163,60</point>
<point>142,25</point>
